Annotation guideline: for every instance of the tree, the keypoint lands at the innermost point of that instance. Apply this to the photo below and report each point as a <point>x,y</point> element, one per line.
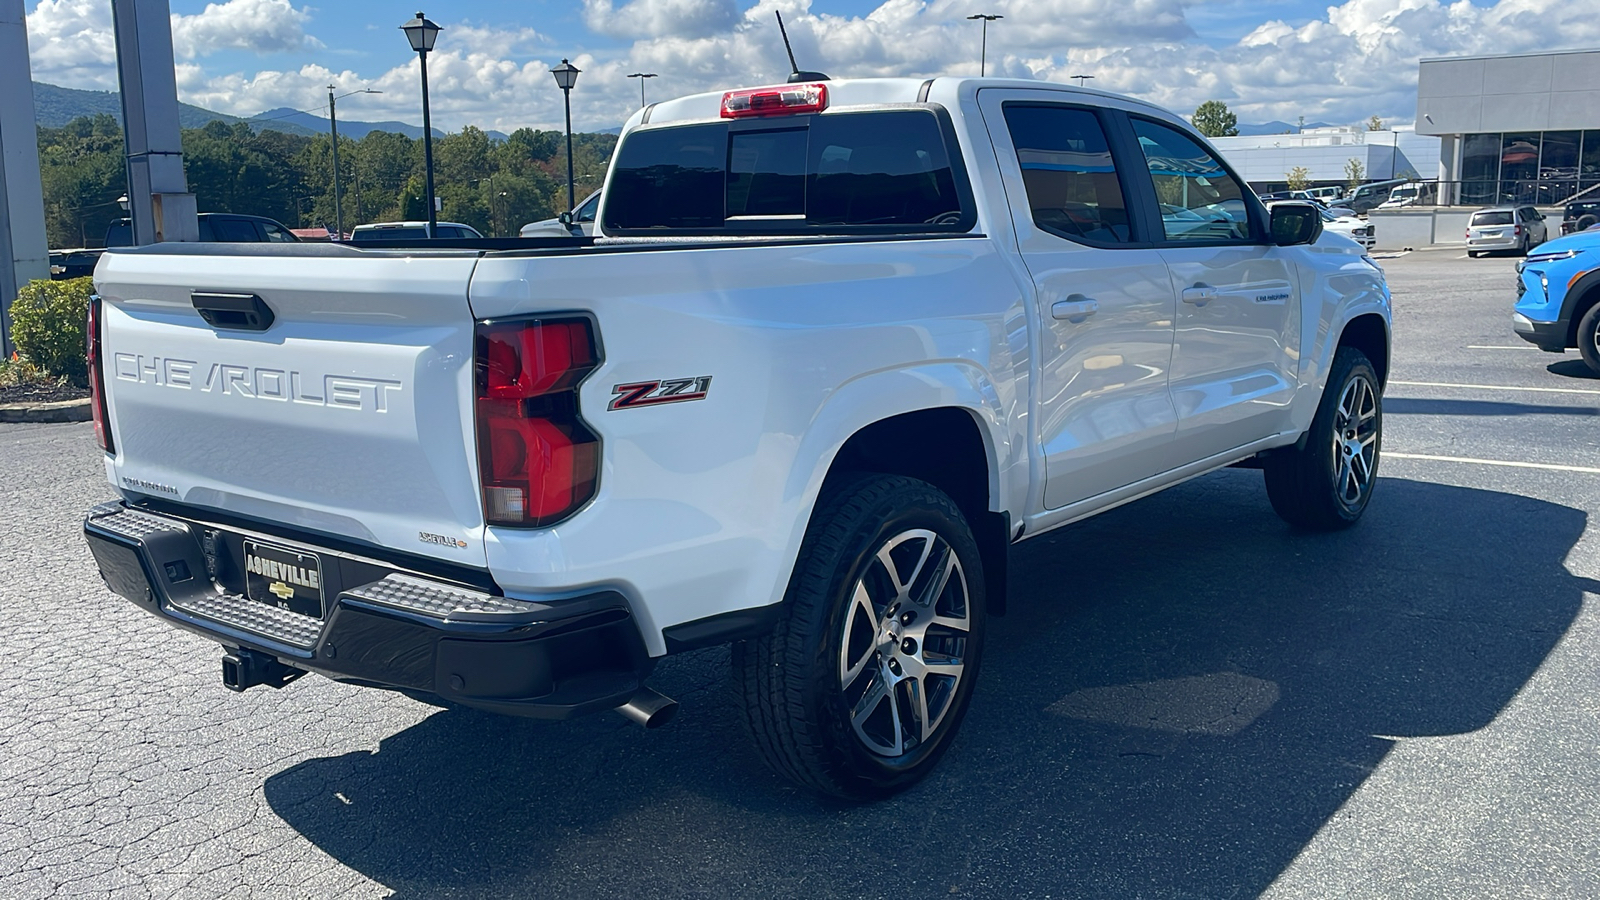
<point>491,185</point>
<point>1213,119</point>
<point>1354,173</point>
<point>1374,124</point>
<point>1298,179</point>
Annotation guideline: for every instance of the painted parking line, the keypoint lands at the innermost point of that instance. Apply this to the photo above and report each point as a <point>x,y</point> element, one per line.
<point>1510,464</point>
<point>1495,347</point>
<point>1496,387</point>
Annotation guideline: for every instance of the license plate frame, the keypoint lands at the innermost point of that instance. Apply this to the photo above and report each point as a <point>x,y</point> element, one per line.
<point>284,577</point>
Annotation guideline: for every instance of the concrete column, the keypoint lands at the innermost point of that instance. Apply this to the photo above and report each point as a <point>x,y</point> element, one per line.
<point>24,252</point>
<point>159,201</point>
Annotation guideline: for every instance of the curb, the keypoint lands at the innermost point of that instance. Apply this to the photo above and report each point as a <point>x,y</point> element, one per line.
<point>59,411</point>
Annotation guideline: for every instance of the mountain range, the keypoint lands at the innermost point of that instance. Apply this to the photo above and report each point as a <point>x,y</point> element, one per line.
<point>1246,128</point>
<point>56,106</point>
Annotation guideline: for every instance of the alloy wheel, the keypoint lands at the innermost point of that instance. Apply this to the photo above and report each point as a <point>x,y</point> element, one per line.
<point>1355,441</point>
<point>903,651</point>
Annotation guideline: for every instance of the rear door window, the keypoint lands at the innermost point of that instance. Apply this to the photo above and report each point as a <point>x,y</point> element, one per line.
<point>880,171</point>
<point>1200,201</point>
<point>1067,171</point>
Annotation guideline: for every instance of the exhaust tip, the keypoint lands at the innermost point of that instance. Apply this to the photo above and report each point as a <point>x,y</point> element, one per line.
<point>649,709</point>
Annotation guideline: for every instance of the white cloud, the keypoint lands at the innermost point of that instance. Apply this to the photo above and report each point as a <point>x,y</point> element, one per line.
<point>1358,59</point>
<point>72,42</point>
<point>260,26</point>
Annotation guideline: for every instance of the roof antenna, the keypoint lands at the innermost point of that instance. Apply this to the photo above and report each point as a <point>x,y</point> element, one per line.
<point>795,75</point>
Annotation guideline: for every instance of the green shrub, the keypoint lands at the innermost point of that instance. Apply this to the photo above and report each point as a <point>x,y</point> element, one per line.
<point>47,324</point>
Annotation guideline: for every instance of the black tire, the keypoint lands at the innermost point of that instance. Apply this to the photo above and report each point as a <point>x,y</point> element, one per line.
<point>1589,338</point>
<point>793,685</point>
<point>1586,222</point>
<point>1310,486</point>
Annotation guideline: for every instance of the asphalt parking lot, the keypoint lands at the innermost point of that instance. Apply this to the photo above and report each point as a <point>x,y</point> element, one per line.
<point>1185,700</point>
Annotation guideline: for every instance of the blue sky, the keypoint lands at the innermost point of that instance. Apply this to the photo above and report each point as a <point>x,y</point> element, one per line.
<point>1267,60</point>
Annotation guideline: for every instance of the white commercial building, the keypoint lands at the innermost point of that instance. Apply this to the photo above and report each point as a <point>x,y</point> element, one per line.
<point>1265,160</point>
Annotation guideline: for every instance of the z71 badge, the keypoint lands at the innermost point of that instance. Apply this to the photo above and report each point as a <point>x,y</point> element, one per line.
<point>667,390</point>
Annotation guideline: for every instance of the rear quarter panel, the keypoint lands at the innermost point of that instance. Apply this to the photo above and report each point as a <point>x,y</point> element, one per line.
<point>701,505</point>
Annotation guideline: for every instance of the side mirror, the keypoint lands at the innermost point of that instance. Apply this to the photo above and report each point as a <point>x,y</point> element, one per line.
<point>1295,223</point>
<point>565,218</point>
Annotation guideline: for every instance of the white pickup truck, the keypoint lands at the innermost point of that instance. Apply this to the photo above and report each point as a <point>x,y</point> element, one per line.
<point>835,348</point>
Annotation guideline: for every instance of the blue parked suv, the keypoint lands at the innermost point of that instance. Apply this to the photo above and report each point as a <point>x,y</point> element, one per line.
<point>1558,296</point>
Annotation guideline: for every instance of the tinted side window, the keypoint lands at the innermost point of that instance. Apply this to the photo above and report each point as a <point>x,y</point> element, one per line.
<point>586,212</point>
<point>275,234</point>
<point>240,231</point>
<point>870,170</point>
<point>1199,200</point>
<point>1072,185</point>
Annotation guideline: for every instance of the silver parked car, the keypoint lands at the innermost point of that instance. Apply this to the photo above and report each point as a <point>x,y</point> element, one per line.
<point>580,222</point>
<point>1515,228</point>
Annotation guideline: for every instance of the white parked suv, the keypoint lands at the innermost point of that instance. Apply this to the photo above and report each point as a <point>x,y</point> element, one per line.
<point>836,349</point>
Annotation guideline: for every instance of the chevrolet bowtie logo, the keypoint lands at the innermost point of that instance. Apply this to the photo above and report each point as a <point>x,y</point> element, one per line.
<point>283,591</point>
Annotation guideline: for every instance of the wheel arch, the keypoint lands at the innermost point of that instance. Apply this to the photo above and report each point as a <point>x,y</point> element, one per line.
<point>1581,297</point>
<point>962,467</point>
<point>1369,333</point>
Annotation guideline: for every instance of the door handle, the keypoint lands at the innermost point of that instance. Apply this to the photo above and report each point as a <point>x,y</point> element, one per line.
<point>1075,308</point>
<point>1199,295</point>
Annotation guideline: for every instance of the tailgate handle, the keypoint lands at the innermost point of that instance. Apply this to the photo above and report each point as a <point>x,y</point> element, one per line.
<point>234,312</point>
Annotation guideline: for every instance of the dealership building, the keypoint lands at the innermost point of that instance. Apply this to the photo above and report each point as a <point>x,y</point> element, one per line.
<point>1514,129</point>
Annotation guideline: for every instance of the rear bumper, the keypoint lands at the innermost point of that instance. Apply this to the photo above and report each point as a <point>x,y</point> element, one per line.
<point>383,626</point>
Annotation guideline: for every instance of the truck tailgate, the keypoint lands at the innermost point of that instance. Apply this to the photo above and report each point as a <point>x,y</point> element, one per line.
<point>350,415</point>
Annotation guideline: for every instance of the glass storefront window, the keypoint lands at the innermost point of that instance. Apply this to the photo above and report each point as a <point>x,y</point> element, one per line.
<point>1519,166</point>
<point>1480,168</point>
<point>1558,167</point>
<point>1589,161</point>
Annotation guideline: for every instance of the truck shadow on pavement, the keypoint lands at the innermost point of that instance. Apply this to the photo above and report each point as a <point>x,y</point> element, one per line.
<point>1182,694</point>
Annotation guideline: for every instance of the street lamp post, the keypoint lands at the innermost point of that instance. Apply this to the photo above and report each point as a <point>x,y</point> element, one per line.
<point>566,76</point>
<point>1081,78</point>
<point>333,126</point>
<point>422,34</point>
<point>642,76</point>
<point>983,58</point>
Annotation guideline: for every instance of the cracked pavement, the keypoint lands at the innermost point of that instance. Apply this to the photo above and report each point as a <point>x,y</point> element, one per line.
<point>1185,700</point>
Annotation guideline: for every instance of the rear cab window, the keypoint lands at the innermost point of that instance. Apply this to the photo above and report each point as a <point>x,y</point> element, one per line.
<point>892,171</point>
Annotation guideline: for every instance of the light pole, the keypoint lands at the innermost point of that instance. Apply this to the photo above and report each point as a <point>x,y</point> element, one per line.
<point>333,126</point>
<point>642,76</point>
<point>422,33</point>
<point>566,76</point>
<point>1081,78</point>
<point>983,58</point>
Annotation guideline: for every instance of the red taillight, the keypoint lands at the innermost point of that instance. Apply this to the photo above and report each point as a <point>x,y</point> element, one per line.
<point>537,460</point>
<point>1516,231</point>
<point>782,100</point>
<point>97,381</point>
